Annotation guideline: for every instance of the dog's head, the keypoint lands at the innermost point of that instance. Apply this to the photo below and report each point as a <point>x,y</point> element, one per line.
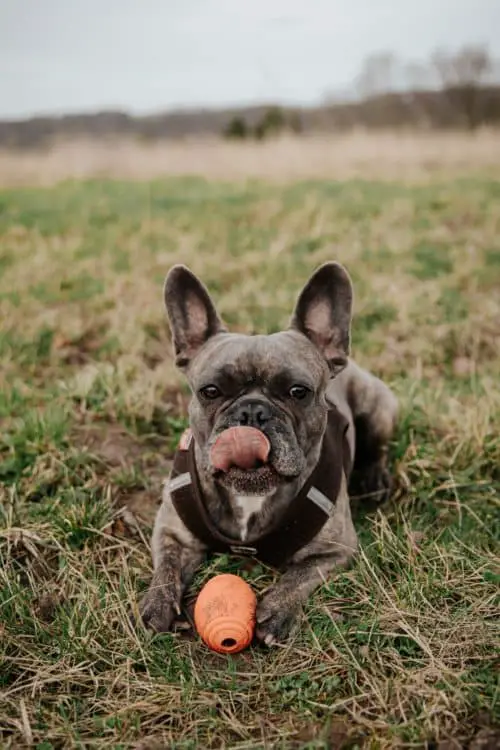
<point>275,383</point>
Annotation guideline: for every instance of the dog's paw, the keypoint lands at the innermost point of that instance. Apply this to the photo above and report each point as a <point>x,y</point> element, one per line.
<point>276,618</point>
<point>158,609</point>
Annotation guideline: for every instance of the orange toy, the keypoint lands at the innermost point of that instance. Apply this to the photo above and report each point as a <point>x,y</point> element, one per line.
<point>224,614</point>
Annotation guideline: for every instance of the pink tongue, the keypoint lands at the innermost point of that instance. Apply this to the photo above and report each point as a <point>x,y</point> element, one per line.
<point>243,447</point>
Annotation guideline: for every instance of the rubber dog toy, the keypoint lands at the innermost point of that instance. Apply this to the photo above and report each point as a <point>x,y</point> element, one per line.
<point>224,614</point>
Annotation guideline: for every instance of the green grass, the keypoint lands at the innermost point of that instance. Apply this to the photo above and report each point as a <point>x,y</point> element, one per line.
<point>401,650</point>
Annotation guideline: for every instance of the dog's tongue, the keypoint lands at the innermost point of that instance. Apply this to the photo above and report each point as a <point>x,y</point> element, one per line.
<point>243,447</point>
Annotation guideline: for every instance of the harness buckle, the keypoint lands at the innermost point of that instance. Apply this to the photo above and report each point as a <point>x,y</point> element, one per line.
<point>237,549</point>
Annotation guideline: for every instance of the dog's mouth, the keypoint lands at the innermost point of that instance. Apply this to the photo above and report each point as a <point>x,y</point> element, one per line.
<point>241,459</point>
<point>259,480</point>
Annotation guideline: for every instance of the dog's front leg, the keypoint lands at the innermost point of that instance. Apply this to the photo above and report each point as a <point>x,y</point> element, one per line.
<point>333,548</point>
<point>173,572</point>
<point>176,556</point>
<point>281,604</point>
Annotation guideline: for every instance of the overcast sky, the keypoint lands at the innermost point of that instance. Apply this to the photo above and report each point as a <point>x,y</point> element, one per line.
<point>148,55</point>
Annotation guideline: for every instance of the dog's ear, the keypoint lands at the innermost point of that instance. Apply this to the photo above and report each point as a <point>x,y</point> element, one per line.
<point>191,313</point>
<point>323,313</point>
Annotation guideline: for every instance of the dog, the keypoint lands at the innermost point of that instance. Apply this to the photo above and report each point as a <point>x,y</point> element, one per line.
<point>326,421</point>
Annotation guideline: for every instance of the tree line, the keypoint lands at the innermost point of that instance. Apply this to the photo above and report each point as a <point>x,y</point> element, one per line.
<point>459,88</point>
<point>452,89</point>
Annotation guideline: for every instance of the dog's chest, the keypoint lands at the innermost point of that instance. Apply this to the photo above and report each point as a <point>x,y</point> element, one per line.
<point>245,507</point>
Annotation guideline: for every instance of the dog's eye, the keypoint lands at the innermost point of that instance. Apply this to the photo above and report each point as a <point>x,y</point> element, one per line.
<point>298,392</point>
<point>210,391</point>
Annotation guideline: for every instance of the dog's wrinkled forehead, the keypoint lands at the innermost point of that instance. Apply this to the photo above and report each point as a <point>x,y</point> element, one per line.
<point>259,359</point>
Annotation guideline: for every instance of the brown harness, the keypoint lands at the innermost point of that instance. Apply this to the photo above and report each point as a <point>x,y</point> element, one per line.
<point>304,517</point>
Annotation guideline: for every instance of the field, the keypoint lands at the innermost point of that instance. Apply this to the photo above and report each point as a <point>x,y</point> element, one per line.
<point>399,651</point>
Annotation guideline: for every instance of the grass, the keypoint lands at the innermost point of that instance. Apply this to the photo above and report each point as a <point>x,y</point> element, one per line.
<point>384,155</point>
<point>401,650</point>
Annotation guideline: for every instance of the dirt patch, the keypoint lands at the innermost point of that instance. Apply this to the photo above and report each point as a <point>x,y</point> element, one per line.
<point>110,443</point>
<point>486,737</point>
<point>118,451</point>
<point>80,349</point>
<point>46,606</point>
<point>338,735</point>
<point>143,504</point>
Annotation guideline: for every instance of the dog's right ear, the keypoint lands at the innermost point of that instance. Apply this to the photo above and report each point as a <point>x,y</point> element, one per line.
<point>191,313</point>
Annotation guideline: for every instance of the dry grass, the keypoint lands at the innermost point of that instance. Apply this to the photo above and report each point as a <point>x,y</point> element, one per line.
<point>400,650</point>
<point>408,156</point>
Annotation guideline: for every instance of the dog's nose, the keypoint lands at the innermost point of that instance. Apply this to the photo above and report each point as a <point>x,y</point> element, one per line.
<point>253,414</point>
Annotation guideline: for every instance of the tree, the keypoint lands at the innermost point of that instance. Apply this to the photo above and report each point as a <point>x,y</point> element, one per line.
<point>418,76</point>
<point>463,74</point>
<point>378,75</point>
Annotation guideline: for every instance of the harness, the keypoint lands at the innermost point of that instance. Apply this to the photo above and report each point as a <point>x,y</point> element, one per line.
<point>304,517</point>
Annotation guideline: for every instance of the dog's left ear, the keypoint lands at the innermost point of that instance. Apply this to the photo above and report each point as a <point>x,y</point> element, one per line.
<point>323,313</point>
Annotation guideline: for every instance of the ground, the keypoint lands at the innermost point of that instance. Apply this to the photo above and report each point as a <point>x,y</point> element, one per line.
<point>397,651</point>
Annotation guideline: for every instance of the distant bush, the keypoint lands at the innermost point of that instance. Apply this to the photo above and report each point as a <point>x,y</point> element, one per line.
<point>273,122</point>
<point>236,128</point>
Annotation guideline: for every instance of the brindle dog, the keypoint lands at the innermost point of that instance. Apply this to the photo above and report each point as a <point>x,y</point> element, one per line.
<point>283,384</point>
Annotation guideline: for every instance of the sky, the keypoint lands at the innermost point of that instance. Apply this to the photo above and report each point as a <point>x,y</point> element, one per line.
<point>144,56</point>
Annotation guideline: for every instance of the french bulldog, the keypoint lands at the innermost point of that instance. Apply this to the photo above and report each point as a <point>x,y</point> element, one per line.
<point>284,384</point>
